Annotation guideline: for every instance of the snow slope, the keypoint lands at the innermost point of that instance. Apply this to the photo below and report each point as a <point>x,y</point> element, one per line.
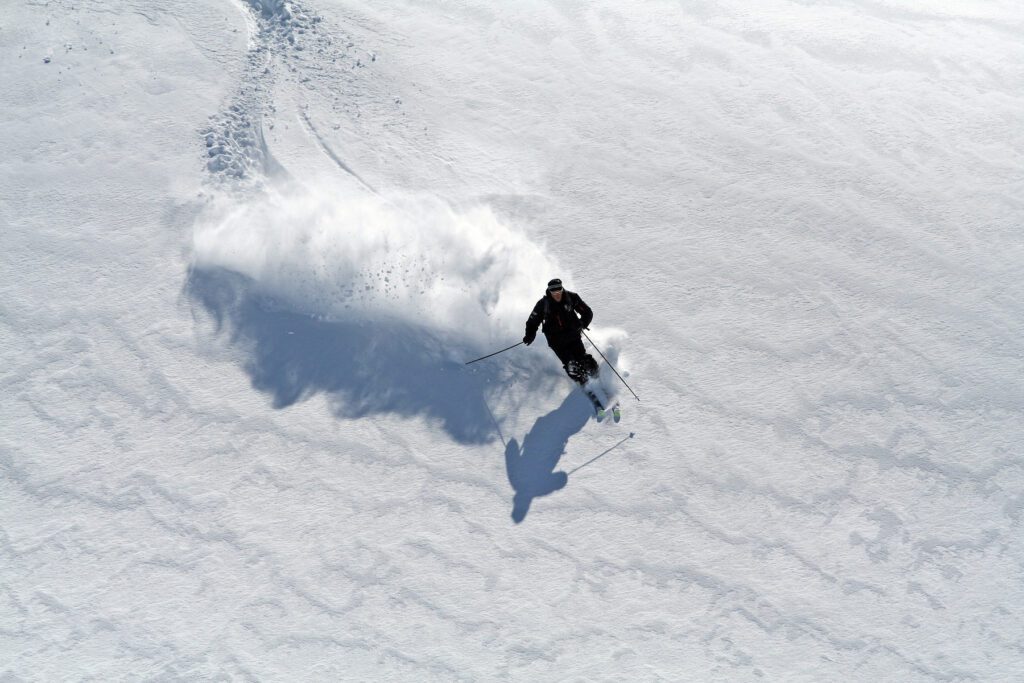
<point>248,246</point>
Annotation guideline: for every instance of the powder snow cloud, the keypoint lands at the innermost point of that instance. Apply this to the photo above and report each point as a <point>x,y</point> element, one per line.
<point>462,273</point>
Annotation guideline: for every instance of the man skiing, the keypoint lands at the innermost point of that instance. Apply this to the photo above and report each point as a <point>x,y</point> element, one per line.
<point>564,315</point>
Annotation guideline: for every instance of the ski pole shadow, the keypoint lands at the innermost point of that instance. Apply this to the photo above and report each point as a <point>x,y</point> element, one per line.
<point>365,368</point>
<point>531,467</point>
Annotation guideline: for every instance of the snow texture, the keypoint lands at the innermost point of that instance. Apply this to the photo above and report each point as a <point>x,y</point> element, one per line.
<point>248,247</point>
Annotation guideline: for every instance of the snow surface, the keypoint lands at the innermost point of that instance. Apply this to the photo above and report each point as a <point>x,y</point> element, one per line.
<point>247,247</point>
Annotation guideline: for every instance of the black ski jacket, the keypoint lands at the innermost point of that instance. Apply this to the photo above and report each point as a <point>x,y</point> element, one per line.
<point>562,320</point>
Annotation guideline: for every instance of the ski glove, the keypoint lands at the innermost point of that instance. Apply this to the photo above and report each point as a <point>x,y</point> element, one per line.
<point>528,339</point>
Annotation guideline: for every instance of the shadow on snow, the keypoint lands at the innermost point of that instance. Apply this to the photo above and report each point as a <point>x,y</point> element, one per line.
<point>369,368</point>
<point>365,368</point>
<point>531,468</point>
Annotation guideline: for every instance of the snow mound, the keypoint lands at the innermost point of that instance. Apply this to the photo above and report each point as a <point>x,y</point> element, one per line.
<point>462,273</point>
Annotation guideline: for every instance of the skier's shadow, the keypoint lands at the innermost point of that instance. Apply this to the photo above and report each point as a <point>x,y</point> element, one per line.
<point>531,468</point>
<point>364,368</point>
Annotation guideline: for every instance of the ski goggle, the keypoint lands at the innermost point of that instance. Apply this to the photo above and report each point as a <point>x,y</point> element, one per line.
<point>555,289</point>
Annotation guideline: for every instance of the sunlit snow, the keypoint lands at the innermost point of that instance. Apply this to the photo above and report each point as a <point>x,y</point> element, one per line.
<point>249,246</point>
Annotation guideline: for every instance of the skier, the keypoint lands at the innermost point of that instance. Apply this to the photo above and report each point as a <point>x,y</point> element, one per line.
<point>565,315</point>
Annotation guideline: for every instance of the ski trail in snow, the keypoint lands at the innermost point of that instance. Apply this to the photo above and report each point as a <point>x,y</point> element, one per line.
<point>287,45</point>
<point>330,153</point>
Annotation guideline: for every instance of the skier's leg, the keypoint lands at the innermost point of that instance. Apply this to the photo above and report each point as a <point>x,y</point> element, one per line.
<point>564,356</point>
<point>574,361</point>
<point>584,361</point>
<point>570,361</point>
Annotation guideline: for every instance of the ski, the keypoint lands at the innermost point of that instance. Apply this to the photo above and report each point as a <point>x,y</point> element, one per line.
<point>595,401</point>
<point>589,383</point>
<point>615,410</point>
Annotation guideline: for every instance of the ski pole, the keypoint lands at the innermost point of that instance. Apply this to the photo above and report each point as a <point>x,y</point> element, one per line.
<point>497,352</point>
<point>610,365</point>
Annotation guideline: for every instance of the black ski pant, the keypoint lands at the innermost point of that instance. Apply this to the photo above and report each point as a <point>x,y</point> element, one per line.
<point>569,349</point>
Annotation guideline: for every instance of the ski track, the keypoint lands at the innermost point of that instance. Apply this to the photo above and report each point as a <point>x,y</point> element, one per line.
<point>330,153</point>
<point>288,44</point>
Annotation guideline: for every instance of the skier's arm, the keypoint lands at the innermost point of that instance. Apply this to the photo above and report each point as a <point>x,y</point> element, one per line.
<point>586,315</point>
<point>533,322</point>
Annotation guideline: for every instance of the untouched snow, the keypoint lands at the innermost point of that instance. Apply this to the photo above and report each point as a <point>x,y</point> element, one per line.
<point>248,246</point>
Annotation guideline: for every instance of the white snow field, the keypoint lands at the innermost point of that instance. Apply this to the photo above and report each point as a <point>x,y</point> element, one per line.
<point>248,246</point>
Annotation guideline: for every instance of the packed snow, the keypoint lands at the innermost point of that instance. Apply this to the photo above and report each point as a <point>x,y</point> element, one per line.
<point>249,246</point>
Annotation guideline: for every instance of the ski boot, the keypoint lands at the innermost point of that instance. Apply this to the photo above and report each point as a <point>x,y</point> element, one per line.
<point>576,371</point>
